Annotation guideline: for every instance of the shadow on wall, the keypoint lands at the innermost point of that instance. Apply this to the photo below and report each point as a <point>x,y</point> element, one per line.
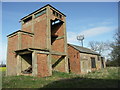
<point>84,83</point>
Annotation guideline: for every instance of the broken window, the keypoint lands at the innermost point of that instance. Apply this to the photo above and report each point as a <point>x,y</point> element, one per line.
<point>40,13</point>
<point>93,63</point>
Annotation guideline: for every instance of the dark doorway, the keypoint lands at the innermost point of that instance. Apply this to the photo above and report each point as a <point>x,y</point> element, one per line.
<point>69,65</point>
<point>102,62</point>
<point>26,63</point>
<point>93,63</point>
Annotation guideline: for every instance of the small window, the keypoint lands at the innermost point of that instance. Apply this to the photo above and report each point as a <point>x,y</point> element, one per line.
<point>77,55</point>
<point>27,19</point>
<point>57,14</point>
<point>60,16</point>
<point>93,63</point>
<point>40,13</point>
<point>54,12</point>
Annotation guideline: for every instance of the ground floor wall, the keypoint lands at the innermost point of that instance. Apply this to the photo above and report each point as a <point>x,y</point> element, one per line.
<point>73,60</point>
<point>11,65</point>
<point>42,63</point>
<point>86,62</point>
<point>81,63</point>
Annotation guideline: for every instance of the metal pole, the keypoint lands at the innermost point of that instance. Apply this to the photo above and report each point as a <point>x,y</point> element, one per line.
<point>82,43</point>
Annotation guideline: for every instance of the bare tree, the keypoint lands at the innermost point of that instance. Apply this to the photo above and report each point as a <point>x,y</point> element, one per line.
<point>100,47</point>
<point>116,47</point>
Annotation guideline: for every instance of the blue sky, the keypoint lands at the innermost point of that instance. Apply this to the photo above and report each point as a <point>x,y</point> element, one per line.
<point>97,21</point>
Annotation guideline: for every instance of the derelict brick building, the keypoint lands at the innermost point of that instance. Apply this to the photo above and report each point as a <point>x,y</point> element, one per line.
<point>83,60</point>
<point>40,46</point>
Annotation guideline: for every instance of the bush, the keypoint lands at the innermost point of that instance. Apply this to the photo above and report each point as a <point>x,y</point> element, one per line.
<point>114,63</point>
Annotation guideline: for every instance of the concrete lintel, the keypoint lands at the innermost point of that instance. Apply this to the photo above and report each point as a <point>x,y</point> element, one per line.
<point>32,49</point>
<point>28,34</point>
<point>42,52</point>
<point>58,53</point>
<point>24,52</point>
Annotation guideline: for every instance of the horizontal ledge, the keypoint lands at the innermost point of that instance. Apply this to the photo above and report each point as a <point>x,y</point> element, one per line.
<point>30,50</point>
<point>42,51</point>
<point>58,53</point>
<point>20,31</point>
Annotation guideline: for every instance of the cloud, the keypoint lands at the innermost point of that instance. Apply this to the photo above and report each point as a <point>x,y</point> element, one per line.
<point>71,37</point>
<point>95,31</point>
<point>91,33</point>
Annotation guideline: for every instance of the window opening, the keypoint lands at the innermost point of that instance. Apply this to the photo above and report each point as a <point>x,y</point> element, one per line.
<point>27,19</point>
<point>40,13</point>
<point>93,63</point>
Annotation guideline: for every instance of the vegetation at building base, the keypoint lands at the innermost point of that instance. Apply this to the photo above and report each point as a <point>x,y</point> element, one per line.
<point>104,78</point>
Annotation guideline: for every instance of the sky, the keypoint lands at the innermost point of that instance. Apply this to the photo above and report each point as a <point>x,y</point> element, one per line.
<point>97,21</point>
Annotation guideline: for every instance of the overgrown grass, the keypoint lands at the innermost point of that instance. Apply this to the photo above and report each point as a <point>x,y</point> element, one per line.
<point>104,78</point>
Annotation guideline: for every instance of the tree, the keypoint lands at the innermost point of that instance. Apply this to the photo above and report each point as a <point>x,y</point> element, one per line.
<point>115,53</point>
<point>100,47</point>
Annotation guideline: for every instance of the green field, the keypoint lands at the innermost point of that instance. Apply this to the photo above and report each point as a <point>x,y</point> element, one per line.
<point>2,68</point>
<point>104,78</point>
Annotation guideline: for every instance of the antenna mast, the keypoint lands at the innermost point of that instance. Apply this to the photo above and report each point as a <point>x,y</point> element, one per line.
<point>80,38</point>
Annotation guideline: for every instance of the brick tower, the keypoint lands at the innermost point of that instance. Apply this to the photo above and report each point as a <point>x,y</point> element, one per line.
<point>40,47</point>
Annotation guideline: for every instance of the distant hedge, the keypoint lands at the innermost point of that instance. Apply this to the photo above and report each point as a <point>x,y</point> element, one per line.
<point>2,65</point>
<point>114,63</point>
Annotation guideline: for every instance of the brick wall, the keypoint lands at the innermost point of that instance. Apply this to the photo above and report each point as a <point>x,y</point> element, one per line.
<point>27,26</point>
<point>26,41</point>
<point>43,67</point>
<point>86,58</point>
<point>11,55</point>
<point>40,27</point>
<point>74,60</point>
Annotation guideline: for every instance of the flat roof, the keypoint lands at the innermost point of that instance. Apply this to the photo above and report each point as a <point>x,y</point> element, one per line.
<point>41,8</point>
<point>19,31</point>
